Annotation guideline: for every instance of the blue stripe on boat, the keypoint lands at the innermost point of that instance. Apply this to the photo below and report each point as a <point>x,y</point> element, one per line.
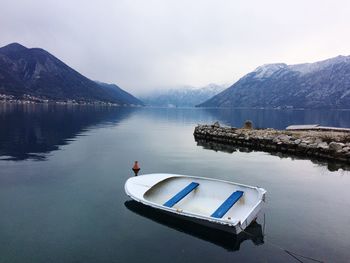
<point>229,202</point>
<point>180,195</point>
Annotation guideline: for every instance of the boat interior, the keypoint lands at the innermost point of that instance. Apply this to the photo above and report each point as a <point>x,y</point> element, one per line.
<point>209,198</point>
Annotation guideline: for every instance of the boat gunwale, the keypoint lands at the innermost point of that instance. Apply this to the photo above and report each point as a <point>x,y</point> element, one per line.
<point>204,178</point>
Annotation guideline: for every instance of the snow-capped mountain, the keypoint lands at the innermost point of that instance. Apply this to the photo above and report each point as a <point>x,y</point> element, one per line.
<point>323,84</point>
<point>181,97</point>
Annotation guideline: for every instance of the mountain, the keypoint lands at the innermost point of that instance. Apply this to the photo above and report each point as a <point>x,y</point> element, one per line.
<point>324,84</point>
<point>117,93</point>
<point>35,72</point>
<point>182,97</point>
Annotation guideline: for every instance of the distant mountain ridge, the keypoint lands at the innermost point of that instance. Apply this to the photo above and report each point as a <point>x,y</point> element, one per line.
<point>323,84</point>
<point>116,92</point>
<point>35,72</point>
<point>182,97</point>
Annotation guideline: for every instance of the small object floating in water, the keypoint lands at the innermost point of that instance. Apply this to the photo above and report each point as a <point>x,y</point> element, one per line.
<point>136,168</point>
<point>220,204</point>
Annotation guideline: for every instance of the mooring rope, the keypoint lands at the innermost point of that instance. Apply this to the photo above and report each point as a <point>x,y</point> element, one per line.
<point>290,253</point>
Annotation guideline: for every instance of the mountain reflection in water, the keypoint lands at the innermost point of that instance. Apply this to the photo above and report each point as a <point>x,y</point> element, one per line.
<point>223,239</point>
<point>32,131</point>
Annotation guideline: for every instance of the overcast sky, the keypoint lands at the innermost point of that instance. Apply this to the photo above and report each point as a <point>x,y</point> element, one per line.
<point>144,45</point>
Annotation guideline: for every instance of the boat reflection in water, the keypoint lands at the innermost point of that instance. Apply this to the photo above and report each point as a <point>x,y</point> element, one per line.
<point>223,239</point>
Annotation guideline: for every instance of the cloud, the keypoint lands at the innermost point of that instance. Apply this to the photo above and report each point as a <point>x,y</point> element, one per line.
<point>142,45</point>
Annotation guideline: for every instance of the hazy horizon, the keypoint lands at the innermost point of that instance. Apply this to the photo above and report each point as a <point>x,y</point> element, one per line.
<point>162,44</point>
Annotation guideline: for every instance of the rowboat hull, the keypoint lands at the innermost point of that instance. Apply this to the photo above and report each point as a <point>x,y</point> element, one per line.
<point>155,190</point>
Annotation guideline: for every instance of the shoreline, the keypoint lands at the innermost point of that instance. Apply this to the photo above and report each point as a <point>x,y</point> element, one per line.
<point>65,103</point>
<point>26,99</point>
<point>329,145</point>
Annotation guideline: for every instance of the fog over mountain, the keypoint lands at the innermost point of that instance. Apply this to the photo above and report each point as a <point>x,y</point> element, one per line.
<point>181,97</point>
<point>324,84</point>
<point>146,45</point>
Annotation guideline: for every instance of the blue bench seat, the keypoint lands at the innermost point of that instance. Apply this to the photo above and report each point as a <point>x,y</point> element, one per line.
<point>225,206</point>
<point>180,195</point>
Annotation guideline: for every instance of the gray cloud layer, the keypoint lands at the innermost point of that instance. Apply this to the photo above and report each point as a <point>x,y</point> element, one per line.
<point>142,45</point>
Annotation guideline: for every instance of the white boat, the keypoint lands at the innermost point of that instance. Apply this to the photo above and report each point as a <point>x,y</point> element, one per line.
<point>220,204</point>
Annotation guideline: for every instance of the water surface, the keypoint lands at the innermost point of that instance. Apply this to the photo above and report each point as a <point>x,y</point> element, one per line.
<point>62,174</point>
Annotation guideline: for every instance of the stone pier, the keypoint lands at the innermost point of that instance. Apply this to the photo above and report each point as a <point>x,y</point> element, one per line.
<point>331,145</point>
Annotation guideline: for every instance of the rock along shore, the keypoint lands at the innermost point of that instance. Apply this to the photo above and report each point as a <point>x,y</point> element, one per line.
<point>329,145</point>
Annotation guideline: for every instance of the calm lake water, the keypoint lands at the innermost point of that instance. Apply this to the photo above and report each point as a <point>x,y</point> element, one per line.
<point>63,169</point>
